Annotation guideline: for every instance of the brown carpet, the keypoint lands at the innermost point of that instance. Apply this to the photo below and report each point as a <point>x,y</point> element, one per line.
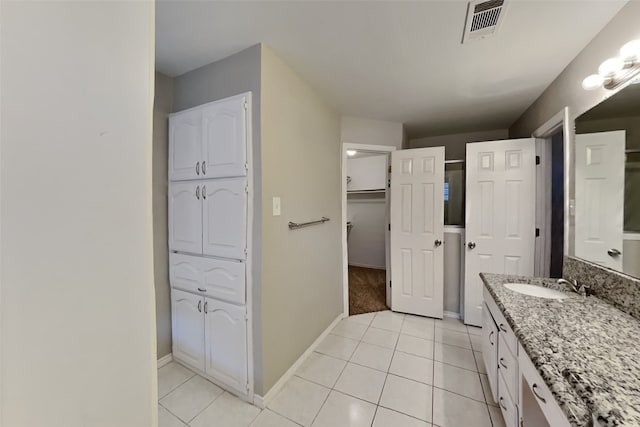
<point>366,290</point>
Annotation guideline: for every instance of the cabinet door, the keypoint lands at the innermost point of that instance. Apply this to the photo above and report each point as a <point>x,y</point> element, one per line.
<point>223,279</point>
<point>185,217</point>
<point>490,350</point>
<point>226,343</point>
<point>185,272</point>
<point>224,223</point>
<point>187,323</point>
<point>225,138</point>
<point>185,145</point>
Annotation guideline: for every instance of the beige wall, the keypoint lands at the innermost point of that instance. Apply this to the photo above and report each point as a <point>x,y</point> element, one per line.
<point>357,130</point>
<point>161,110</point>
<point>230,76</point>
<point>78,321</point>
<point>566,89</point>
<point>454,144</point>
<point>302,269</point>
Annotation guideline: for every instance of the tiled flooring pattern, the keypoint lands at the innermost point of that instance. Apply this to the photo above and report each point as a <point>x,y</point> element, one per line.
<point>377,370</point>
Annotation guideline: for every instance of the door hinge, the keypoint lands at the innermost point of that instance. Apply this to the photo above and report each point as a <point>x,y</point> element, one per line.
<point>537,160</point>
<point>389,283</point>
<point>389,227</point>
<point>389,168</point>
<point>246,189</point>
<point>246,106</point>
<point>537,232</point>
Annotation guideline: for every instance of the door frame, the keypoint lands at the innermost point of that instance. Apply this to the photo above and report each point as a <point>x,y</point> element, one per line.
<point>382,149</point>
<point>543,134</point>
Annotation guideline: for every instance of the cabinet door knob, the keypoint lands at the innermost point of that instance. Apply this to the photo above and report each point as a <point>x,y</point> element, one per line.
<point>202,290</point>
<point>198,168</point>
<point>205,307</point>
<point>502,404</point>
<point>200,306</point>
<point>502,327</point>
<point>437,243</point>
<point>204,191</point>
<point>490,335</point>
<point>204,167</point>
<point>502,363</point>
<point>471,245</point>
<point>198,192</point>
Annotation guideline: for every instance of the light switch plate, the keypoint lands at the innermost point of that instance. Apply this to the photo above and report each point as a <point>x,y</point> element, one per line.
<point>276,206</point>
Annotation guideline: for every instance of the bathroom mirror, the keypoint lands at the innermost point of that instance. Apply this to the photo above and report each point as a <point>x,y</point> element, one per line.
<point>606,209</point>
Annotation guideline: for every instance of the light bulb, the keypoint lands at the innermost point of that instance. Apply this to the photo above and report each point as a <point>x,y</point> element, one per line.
<point>610,67</point>
<point>631,51</point>
<point>594,81</point>
<point>351,152</point>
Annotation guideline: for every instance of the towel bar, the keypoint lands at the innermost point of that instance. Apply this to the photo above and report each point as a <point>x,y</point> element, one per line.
<point>296,225</point>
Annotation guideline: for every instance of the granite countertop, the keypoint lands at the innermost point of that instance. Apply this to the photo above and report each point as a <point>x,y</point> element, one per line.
<point>586,350</point>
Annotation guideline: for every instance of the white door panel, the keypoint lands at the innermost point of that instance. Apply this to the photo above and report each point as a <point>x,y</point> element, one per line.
<point>500,215</point>
<point>599,214</point>
<point>185,145</point>
<point>185,217</point>
<point>224,279</point>
<point>187,323</point>
<point>224,227</point>
<point>226,343</point>
<point>417,231</point>
<point>185,272</point>
<point>225,138</point>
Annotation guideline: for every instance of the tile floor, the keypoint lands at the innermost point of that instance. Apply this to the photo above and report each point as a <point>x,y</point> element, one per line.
<point>378,370</point>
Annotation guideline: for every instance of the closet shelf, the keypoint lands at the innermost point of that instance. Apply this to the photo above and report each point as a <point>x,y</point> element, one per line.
<point>382,190</point>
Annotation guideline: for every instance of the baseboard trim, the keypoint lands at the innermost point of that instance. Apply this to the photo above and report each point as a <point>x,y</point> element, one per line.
<point>452,315</point>
<point>262,402</point>
<point>165,360</point>
<point>375,267</point>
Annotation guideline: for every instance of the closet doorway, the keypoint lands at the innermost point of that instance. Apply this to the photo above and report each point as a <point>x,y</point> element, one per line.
<point>365,211</point>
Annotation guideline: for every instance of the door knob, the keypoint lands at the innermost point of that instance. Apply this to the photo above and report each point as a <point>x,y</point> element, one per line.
<point>471,245</point>
<point>614,252</point>
<point>437,243</point>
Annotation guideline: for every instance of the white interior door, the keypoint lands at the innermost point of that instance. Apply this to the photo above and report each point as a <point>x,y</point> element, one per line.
<point>599,199</point>
<point>224,226</point>
<point>417,231</point>
<point>500,215</point>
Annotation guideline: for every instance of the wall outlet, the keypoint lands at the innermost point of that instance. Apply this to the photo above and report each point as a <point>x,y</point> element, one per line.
<point>276,206</point>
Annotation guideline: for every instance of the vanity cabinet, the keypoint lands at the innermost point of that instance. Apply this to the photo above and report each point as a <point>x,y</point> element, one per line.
<point>210,141</point>
<point>523,397</point>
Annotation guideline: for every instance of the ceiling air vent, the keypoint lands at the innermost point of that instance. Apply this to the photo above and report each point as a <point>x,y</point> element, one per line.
<point>483,19</point>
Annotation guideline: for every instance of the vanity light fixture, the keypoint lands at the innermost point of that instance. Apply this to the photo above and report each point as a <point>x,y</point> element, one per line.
<point>351,153</point>
<point>615,72</point>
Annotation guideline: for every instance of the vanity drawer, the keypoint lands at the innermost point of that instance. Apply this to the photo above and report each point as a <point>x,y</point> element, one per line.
<point>504,329</point>
<point>533,384</point>
<point>508,367</point>
<point>508,408</point>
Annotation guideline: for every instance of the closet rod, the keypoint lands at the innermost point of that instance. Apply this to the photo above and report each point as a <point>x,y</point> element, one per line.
<point>632,150</point>
<point>453,161</point>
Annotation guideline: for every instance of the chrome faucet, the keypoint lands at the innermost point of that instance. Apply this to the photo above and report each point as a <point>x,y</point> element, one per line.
<point>575,287</point>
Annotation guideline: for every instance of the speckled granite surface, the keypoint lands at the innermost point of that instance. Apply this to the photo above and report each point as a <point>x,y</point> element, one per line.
<point>614,287</point>
<point>586,350</point>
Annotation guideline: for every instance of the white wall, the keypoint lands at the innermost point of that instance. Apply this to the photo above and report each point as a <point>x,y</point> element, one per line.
<point>78,321</point>
<point>357,130</point>
<point>455,143</point>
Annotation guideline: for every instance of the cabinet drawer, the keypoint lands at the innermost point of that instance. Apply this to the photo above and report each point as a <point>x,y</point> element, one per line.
<point>504,329</point>
<point>533,384</point>
<point>508,367</point>
<point>508,408</point>
<point>225,280</point>
<point>218,278</point>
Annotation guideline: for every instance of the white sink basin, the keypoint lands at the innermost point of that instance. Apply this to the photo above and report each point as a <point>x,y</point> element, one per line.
<point>535,291</point>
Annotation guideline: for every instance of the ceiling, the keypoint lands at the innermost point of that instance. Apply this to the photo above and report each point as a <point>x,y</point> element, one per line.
<point>394,60</point>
